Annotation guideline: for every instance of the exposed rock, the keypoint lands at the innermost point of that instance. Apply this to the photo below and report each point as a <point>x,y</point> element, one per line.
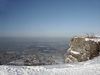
<point>70,59</point>
<point>99,46</point>
<point>82,49</point>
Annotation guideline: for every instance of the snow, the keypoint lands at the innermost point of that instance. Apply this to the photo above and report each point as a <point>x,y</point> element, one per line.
<point>91,67</point>
<point>97,35</point>
<point>93,39</point>
<point>74,52</point>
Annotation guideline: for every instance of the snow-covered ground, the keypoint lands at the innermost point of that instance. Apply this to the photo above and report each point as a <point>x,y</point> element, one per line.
<point>91,67</point>
<point>93,39</point>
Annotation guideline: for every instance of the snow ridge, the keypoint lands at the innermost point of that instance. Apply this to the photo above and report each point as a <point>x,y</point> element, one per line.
<point>93,39</point>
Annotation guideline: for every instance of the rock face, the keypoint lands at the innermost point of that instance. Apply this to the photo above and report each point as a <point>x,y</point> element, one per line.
<point>82,49</point>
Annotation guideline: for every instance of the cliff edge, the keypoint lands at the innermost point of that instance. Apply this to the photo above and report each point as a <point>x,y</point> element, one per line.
<point>82,49</point>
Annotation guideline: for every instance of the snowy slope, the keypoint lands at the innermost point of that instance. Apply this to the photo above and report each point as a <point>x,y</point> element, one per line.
<point>91,67</point>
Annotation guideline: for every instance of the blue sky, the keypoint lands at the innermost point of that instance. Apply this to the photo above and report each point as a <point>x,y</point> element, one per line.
<point>49,18</point>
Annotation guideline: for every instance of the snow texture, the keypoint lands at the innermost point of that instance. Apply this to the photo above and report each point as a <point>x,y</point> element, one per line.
<point>93,39</point>
<point>74,52</point>
<point>91,67</point>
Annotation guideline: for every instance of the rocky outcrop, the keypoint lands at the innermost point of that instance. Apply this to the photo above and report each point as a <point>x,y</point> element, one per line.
<point>82,49</point>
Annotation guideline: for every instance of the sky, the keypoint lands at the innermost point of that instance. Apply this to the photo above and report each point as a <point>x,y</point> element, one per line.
<point>49,18</point>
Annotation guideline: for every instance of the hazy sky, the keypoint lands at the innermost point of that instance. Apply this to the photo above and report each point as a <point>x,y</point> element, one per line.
<point>48,18</point>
